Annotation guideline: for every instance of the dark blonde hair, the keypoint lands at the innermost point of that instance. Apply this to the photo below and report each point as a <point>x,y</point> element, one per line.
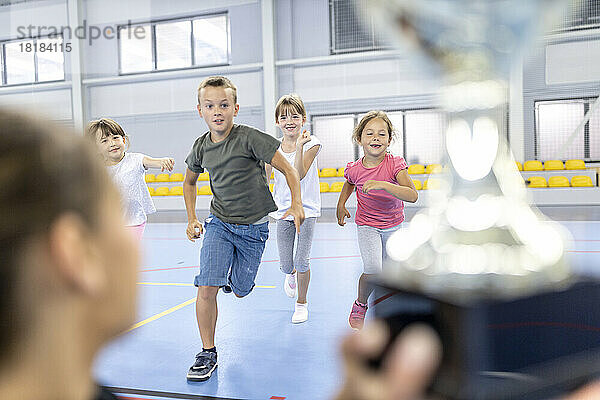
<point>371,115</point>
<point>218,81</point>
<point>106,127</point>
<point>46,172</point>
<point>287,103</point>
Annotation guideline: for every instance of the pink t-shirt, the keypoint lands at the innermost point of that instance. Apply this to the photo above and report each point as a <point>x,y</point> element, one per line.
<point>377,208</point>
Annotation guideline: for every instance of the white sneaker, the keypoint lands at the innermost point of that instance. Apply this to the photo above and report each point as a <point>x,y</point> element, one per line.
<point>289,286</point>
<point>300,313</point>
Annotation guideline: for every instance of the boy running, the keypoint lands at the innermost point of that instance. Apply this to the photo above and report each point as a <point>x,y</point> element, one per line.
<point>236,230</point>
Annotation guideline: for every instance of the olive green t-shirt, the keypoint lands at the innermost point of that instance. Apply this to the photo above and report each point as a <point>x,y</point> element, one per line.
<point>237,173</point>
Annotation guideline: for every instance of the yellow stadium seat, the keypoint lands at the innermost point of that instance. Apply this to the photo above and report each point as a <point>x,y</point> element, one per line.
<point>431,184</point>
<point>533,165</point>
<point>519,166</point>
<point>162,178</point>
<point>433,169</point>
<point>575,164</point>
<point>204,190</point>
<point>537,182</point>
<point>341,172</point>
<point>328,173</point>
<point>553,165</point>
<point>324,187</point>
<point>151,190</point>
<point>416,169</point>
<point>558,181</point>
<point>162,191</point>
<point>204,176</point>
<point>417,184</point>
<point>176,191</point>
<point>336,187</point>
<point>271,186</point>
<point>150,178</point>
<point>581,181</point>
<point>176,177</point>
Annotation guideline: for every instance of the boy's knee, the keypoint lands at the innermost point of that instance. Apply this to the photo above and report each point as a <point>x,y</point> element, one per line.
<point>207,293</point>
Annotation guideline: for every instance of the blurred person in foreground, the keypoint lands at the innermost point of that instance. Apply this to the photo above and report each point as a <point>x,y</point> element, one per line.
<point>64,293</point>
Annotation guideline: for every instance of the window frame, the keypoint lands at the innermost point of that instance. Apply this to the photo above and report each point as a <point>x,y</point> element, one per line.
<point>190,20</point>
<point>36,81</point>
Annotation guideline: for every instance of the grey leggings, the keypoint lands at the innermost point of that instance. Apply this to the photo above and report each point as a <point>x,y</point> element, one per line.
<point>286,236</point>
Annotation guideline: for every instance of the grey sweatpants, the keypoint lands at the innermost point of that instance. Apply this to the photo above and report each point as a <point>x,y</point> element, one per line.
<point>286,237</point>
<point>371,243</point>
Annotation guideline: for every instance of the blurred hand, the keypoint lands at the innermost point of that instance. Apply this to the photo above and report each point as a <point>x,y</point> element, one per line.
<point>166,164</point>
<point>302,140</point>
<point>194,230</point>
<point>406,370</point>
<point>372,185</point>
<point>296,211</point>
<point>408,367</point>
<point>341,213</point>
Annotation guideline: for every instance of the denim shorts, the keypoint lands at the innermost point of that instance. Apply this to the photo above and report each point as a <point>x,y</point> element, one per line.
<point>231,254</point>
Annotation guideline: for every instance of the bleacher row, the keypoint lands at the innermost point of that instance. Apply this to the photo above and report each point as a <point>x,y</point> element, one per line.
<point>555,181</point>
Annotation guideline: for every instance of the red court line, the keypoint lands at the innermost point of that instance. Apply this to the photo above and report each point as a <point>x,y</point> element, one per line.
<point>382,298</point>
<point>265,261</point>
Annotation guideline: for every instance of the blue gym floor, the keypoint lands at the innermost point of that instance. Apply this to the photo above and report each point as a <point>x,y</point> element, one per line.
<point>262,355</point>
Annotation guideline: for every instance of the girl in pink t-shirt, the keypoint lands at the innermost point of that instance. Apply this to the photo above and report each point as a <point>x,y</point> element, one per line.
<point>382,185</point>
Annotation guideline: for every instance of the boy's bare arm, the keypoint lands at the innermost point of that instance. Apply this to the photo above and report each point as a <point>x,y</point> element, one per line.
<point>194,228</point>
<point>293,181</point>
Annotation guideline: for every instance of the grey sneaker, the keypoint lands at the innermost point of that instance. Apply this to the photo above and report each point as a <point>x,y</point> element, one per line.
<point>206,363</point>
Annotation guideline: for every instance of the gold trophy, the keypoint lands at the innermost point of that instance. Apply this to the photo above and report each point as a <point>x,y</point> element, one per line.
<point>479,263</point>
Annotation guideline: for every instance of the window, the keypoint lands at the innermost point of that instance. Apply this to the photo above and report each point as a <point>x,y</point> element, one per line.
<point>135,46</point>
<point>335,134</point>
<point>20,65</point>
<point>50,64</point>
<point>173,46</point>
<point>557,121</point>
<point>211,41</point>
<point>32,60</point>
<point>352,29</point>
<point>165,45</point>
<point>418,137</point>
<point>581,14</point>
<point>424,136</point>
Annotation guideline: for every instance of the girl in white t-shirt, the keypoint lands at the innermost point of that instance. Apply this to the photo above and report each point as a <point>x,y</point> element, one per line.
<point>127,171</point>
<point>300,149</point>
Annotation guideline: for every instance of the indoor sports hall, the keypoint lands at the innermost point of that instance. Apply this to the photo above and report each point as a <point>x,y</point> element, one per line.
<point>140,63</point>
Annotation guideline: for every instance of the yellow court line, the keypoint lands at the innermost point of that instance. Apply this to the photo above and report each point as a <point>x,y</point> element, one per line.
<point>162,314</point>
<point>175,308</point>
<point>191,284</point>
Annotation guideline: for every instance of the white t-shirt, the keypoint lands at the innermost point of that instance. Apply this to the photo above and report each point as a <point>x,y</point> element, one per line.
<point>128,175</point>
<point>309,186</point>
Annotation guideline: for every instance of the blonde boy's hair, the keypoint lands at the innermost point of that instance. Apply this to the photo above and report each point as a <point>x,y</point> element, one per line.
<point>218,81</point>
<point>371,115</point>
<point>289,102</point>
<point>106,127</point>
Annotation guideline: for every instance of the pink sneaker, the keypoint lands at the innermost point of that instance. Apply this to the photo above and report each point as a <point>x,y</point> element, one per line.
<point>357,315</point>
